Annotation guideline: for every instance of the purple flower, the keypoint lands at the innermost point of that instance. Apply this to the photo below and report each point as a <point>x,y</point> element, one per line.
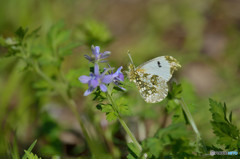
<point>117,77</point>
<point>95,80</point>
<point>97,56</point>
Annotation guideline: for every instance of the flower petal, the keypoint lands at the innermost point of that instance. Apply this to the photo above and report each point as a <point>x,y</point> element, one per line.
<point>93,50</point>
<point>103,87</point>
<point>116,74</point>
<point>121,77</point>
<point>119,69</point>
<point>105,54</point>
<point>106,70</point>
<point>107,79</point>
<point>94,83</point>
<point>88,58</point>
<point>96,69</point>
<point>97,50</point>
<point>84,79</point>
<point>88,91</point>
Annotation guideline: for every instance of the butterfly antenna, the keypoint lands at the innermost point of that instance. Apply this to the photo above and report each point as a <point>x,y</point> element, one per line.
<point>130,57</point>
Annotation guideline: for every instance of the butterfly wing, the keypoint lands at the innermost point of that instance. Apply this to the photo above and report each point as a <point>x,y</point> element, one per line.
<point>152,76</point>
<point>162,66</point>
<point>152,88</point>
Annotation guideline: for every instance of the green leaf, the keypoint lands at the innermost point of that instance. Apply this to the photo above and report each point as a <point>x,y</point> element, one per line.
<point>227,133</point>
<point>173,106</point>
<point>108,109</point>
<point>29,149</point>
<point>21,33</point>
<point>171,140</point>
<point>34,33</point>
<point>31,155</point>
<point>175,92</point>
<point>15,153</point>
<point>230,117</point>
<point>110,116</point>
<point>57,36</point>
<point>155,146</point>
<point>181,148</point>
<point>99,95</point>
<point>123,108</point>
<point>104,107</point>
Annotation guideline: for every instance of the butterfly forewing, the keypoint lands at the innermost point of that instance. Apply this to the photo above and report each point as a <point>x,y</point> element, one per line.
<point>160,66</point>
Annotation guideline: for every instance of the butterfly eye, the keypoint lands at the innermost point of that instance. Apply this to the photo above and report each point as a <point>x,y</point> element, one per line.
<point>159,64</point>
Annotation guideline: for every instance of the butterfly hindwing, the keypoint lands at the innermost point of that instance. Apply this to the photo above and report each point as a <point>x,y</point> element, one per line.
<point>152,88</point>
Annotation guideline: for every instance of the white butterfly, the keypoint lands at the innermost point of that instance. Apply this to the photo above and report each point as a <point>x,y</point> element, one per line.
<point>152,76</point>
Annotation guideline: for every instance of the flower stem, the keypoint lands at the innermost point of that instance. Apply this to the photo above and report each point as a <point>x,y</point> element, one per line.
<point>124,125</point>
<point>191,120</point>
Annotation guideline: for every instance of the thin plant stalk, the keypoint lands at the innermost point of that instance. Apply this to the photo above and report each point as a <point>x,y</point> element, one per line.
<point>191,120</point>
<point>124,125</point>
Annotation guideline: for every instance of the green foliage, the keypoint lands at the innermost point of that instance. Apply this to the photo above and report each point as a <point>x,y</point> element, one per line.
<point>175,92</point>
<point>94,32</point>
<point>111,111</point>
<point>122,106</point>
<point>173,28</point>
<point>170,141</point>
<point>21,33</point>
<point>50,130</point>
<point>154,146</point>
<point>99,96</point>
<point>32,49</point>
<point>44,55</point>
<point>28,154</point>
<point>58,40</point>
<point>14,150</point>
<point>174,105</point>
<point>108,109</point>
<point>223,128</point>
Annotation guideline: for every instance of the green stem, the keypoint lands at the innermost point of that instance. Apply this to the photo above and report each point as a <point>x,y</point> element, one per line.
<point>124,125</point>
<point>191,120</point>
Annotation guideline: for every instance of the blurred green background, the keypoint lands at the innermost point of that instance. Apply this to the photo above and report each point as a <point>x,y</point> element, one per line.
<point>203,35</point>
